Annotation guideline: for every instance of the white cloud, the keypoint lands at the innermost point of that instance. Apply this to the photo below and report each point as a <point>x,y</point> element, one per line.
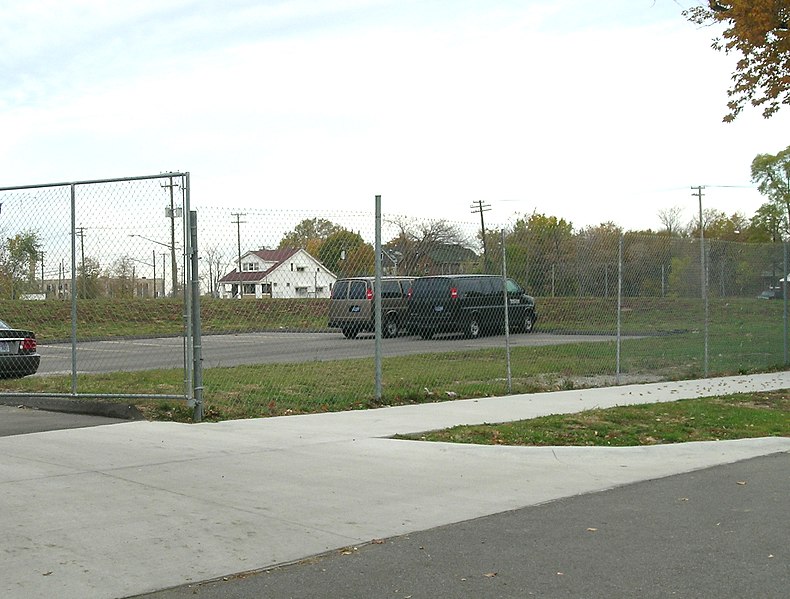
<point>547,106</point>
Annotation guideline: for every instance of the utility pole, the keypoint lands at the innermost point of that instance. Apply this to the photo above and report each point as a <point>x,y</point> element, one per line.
<point>239,222</point>
<point>480,207</point>
<point>704,273</point>
<point>172,215</point>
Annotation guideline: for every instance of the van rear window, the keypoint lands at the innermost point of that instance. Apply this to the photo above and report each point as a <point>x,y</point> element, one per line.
<point>339,290</point>
<point>357,290</point>
<point>430,288</point>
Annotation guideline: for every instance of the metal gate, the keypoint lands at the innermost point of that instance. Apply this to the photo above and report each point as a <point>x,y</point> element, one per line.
<point>83,260</point>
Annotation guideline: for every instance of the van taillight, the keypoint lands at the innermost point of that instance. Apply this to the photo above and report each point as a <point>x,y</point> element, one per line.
<point>28,344</point>
<point>370,294</point>
<point>453,293</point>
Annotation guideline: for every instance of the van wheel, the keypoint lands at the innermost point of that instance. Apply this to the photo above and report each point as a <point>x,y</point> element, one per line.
<point>472,329</point>
<point>390,328</point>
<point>350,332</point>
<point>529,323</point>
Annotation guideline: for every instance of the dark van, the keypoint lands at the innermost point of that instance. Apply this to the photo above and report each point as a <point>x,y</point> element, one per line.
<point>351,305</point>
<point>471,304</point>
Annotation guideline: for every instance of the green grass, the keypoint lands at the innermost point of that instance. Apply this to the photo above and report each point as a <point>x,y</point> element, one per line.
<point>709,419</point>
<point>99,319</point>
<point>278,389</point>
<point>745,336</point>
<point>51,319</point>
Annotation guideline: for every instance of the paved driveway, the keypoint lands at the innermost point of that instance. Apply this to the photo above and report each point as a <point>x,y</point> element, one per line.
<point>20,421</point>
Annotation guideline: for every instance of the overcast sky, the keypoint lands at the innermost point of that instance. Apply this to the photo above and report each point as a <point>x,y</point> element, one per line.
<point>589,111</point>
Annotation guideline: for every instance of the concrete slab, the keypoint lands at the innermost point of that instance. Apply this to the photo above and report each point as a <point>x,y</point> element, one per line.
<point>140,506</point>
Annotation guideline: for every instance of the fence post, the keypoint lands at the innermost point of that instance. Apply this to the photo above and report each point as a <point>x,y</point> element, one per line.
<point>507,315</point>
<point>377,298</point>
<point>784,299</point>
<point>197,345</point>
<point>74,289</point>
<point>703,282</point>
<point>619,304</point>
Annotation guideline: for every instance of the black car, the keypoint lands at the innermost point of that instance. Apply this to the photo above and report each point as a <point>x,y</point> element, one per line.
<point>470,304</point>
<point>18,355</point>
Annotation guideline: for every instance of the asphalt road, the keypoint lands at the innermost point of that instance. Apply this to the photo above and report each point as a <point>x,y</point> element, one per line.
<point>721,532</point>
<point>20,421</point>
<point>269,348</point>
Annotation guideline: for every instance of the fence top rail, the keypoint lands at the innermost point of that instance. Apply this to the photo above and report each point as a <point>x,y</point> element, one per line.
<point>94,181</point>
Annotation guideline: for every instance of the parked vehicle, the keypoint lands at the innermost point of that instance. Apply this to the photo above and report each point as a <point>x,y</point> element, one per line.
<point>773,293</point>
<point>471,304</point>
<point>18,355</point>
<point>351,307</point>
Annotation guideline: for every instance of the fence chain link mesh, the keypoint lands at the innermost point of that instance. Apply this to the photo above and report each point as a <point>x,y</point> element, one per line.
<point>612,307</point>
<point>96,269</point>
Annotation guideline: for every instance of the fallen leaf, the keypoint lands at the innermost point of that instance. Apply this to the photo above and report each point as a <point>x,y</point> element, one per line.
<point>560,573</point>
<point>490,574</point>
<point>592,530</point>
<point>378,541</point>
<point>50,572</point>
<point>741,482</point>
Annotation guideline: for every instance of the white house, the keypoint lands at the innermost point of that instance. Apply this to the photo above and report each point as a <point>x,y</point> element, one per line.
<point>285,273</point>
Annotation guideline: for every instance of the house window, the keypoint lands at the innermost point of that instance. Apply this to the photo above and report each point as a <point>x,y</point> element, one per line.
<point>250,266</point>
<point>300,269</point>
<point>249,288</point>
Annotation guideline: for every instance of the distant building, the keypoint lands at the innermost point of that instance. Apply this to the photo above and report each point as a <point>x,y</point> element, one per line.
<point>285,273</point>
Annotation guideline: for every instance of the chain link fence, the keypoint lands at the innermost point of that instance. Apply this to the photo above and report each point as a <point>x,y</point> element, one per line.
<point>98,271</point>
<point>612,308</point>
<point>108,276</point>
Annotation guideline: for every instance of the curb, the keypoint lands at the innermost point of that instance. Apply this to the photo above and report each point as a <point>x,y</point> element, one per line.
<point>91,408</point>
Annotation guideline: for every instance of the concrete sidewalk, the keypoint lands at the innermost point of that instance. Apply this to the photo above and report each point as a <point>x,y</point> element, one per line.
<point>131,508</point>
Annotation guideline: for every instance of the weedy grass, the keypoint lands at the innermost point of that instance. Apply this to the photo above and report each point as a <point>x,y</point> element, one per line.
<point>738,416</point>
<point>263,390</point>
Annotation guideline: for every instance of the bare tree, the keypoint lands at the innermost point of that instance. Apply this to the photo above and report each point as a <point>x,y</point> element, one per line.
<point>418,242</point>
<point>217,263</point>
<point>670,219</point>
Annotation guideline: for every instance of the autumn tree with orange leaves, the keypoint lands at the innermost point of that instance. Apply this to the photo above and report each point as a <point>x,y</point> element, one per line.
<point>757,31</point>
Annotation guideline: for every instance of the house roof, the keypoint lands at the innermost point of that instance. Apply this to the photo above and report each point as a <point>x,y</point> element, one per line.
<point>276,256</point>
